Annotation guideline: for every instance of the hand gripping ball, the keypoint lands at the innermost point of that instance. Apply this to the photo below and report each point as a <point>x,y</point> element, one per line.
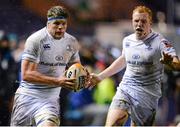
<point>77,71</point>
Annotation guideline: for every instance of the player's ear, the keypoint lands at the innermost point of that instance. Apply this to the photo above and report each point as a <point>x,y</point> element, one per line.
<point>47,23</point>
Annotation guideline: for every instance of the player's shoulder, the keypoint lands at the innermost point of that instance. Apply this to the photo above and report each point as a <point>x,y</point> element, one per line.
<point>130,37</point>
<point>38,35</point>
<point>70,37</point>
<point>71,40</point>
<point>158,37</point>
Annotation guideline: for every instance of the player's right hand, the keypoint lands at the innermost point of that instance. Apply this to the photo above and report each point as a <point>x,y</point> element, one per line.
<point>67,82</point>
<point>93,81</point>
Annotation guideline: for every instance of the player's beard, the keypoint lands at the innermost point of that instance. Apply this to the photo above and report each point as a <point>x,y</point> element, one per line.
<point>59,35</point>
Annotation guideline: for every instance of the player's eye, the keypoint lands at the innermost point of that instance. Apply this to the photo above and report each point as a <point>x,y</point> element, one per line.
<point>59,23</point>
<point>136,21</point>
<point>143,21</point>
<point>64,23</point>
<point>56,23</point>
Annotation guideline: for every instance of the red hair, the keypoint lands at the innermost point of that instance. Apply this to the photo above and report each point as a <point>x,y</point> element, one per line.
<point>143,9</point>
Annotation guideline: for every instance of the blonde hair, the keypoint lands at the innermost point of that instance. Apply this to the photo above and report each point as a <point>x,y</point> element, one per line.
<point>143,9</point>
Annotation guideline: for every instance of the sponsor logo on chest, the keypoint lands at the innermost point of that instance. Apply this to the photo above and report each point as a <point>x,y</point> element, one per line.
<point>46,46</point>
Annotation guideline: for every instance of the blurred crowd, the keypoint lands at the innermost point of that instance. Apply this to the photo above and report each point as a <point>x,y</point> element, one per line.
<point>88,106</point>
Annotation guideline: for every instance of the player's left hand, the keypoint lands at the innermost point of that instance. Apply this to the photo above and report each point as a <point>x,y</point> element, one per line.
<point>66,82</point>
<point>93,80</point>
<point>166,58</point>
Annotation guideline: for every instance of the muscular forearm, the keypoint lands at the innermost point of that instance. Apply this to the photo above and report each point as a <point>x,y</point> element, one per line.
<point>115,67</point>
<point>36,77</point>
<point>30,74</point>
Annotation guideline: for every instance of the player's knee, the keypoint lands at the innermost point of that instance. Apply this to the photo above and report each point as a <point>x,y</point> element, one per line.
<point>133,124</point>
<point>119,121</point>
<point>49,123</point>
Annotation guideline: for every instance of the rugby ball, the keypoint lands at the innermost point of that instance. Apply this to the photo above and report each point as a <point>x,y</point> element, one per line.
<point>77,71</point>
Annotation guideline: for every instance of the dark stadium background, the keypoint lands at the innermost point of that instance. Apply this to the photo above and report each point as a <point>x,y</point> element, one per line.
<point>99,26</point>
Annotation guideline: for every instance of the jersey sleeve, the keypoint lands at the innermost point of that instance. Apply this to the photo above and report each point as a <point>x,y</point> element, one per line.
<point>31,50</point>
<point>166,47</point>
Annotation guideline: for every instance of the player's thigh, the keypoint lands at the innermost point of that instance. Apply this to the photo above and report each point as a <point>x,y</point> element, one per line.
<point>22,111</point>
<point>116,116</point>
<point>48,113</point>
<point>119,108</point>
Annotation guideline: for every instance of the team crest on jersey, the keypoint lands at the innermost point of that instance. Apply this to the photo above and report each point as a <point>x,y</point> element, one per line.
<point>149,48</point>
<point>59,58</point>
<point>69,48</point>
<point>46,46</point>
<point>136,56</point>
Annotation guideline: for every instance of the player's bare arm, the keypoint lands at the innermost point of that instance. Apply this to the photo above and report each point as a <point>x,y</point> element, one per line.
<point>115,67</point>
<point>30,74</point>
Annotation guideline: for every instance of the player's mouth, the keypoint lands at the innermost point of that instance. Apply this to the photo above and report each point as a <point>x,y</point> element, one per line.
<point>59,33</point>
<point>139,29</point>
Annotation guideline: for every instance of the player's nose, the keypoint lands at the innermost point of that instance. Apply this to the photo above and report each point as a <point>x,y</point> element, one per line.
<point>139,23</point>
<point>60,26</point>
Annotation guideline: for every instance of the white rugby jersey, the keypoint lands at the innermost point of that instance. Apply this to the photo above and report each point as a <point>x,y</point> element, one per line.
<point>52,57</point>
<point>144,71</point>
